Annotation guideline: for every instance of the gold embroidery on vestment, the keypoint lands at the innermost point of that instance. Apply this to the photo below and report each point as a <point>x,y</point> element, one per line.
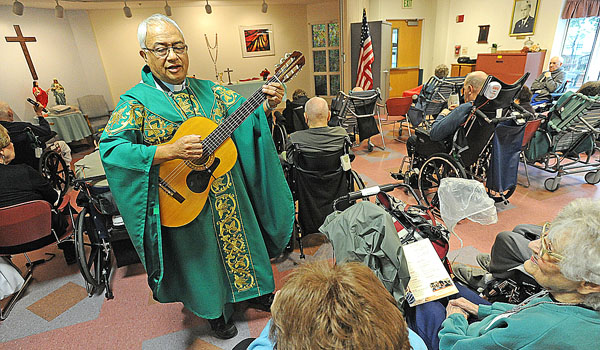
<point>230,232</point>
<point>127,116</point>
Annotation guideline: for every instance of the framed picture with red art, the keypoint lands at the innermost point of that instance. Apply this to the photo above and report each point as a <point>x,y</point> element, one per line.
<point>257,40</point>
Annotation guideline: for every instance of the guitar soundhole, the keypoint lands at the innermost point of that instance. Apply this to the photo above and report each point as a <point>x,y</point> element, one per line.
<point>197,180</point>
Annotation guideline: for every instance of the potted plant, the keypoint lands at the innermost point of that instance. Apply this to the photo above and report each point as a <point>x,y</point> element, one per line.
<point>494,48</point>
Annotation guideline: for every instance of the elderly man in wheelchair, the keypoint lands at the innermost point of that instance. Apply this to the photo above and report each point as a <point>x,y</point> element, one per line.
<point>478,139</point>
<point>317,167</point>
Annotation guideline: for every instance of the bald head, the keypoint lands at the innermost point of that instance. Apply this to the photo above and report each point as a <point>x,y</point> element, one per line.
<point>6,113</point>
<point>555,63</point>
<point>473,84</point>
<point>316,112</point>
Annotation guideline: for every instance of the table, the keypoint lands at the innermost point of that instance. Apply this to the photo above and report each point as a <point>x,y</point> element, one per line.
<point>461,69</point>
<point>247,88</point>
<point>70,125</point>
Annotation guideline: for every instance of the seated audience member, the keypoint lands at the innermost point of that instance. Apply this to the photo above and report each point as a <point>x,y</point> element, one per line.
<point>590,88</point>
<point>294,111</point>
<point>328,307</point>
<point>441,71</point>
<point>20,183</point>
<point>24,149</point>
<point>447,122</point>
<point>524,98</point>
<point>549,80</point>
<point>319,136</point>
<point>565,261</point>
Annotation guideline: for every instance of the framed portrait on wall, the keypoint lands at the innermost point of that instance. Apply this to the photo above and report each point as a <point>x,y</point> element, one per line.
<point>524,17</point>
<point>257,40</point>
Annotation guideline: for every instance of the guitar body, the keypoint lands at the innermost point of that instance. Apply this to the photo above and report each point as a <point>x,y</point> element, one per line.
<point>191,182</point>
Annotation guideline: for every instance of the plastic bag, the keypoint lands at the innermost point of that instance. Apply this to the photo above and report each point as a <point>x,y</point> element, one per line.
<point>463,198</point>
<point>10,279</point>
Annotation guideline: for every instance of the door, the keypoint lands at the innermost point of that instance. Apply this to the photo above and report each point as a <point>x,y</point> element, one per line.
<point>406,55</point>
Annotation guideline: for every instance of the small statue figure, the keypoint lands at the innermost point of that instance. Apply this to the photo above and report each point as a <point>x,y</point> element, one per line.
<point>40,95</point>
<point>59,92</point>
<point>265,74</point>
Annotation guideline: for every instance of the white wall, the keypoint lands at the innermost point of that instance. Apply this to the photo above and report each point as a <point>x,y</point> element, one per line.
<point>65,49</point>
<point>117,41</point>
<point>498,15</point>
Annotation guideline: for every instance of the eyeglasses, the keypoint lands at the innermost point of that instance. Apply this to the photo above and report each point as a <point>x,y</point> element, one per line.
<point>546,246</point>
<point>163,52</point>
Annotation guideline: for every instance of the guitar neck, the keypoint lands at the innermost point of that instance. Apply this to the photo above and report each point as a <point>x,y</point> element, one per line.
<point>225,129</point>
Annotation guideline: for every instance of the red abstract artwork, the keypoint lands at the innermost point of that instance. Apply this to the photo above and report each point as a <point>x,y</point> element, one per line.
<point>257,40</point>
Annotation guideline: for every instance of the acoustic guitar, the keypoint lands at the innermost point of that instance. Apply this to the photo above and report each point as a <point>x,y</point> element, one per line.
<point>184,185</point>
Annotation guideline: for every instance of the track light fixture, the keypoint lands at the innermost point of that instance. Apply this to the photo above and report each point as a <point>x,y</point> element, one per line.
<point>126,10</point>
<point>167,9</point>
<point>59,11</point>
<point>208,8</point>
<point>265,7</point>
<point>18,8</point>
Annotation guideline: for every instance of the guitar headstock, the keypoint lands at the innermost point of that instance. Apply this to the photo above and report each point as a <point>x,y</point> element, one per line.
<point>289,66</point>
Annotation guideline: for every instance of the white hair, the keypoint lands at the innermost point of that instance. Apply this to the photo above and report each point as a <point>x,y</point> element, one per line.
<point>154,19</point>
<point>577,227</point>
<point>4,108</point>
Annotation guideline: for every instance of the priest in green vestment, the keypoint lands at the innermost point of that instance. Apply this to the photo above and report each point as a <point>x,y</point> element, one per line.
<point>222,256</point>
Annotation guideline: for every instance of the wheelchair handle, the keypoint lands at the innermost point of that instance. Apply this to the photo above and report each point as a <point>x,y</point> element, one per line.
<point>371,191</point>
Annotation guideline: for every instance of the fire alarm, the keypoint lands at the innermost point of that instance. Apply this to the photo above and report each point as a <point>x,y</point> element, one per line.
<point>456,50</point>
<point>460,18</point>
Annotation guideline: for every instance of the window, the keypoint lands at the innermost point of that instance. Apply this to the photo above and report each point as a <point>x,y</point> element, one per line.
<point>395,48</point>
<point>580,50</point>
<point>326,58</point>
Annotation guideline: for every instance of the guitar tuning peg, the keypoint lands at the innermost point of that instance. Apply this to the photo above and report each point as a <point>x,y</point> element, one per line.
<point>287,55</point>
<point>281,61</point>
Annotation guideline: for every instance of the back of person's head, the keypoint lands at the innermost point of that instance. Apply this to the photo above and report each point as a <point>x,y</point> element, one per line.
<point>357,88</point>
<point>441,71</point>
<point>591,88</point>
<point>317,112</point>
<point>336,307</point>
<point>476,80</point>
<point>524,95</point>
<point>298,93</point>
<point>4,138</point>
<point>5,111</point>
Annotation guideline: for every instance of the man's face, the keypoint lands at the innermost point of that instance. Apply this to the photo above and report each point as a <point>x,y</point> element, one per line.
<point>525,8</point>
<point>172,68</point>
<point>9,117</point>
<point>554,64</point>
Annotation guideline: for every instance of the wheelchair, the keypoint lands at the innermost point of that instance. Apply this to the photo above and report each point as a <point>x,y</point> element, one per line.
<point>316,179</point>
<point>570,130</point>
<point>99,231</point>
<point>486,148</point>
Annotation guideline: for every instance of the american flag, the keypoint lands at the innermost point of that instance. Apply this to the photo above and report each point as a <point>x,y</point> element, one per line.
<point>364,78</point>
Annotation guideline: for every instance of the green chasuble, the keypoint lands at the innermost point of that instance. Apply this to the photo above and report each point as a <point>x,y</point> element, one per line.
<point>222,256</point>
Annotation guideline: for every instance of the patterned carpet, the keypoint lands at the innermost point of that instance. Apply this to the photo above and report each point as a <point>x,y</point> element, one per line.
<point>56,312</point>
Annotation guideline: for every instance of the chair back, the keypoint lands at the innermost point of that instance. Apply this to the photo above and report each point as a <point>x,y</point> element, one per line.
<point>398,106</point>
<point>318,179</point>
<point>24,223</point>
<point>362,103</point>
<point>568,108</point>
<point>530,129</point>
<point>96,109</point>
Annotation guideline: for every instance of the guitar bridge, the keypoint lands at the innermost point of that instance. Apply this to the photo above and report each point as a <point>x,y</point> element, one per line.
<point>170,190</point>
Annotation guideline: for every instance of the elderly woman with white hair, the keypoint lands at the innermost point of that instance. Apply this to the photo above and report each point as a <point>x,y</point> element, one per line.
<point>566,315</point>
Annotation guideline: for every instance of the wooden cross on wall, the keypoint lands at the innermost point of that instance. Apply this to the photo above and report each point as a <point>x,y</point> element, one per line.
<point>22,40</point>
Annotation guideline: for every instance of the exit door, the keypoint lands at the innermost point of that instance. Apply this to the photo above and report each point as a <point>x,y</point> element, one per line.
<point>405,56</point>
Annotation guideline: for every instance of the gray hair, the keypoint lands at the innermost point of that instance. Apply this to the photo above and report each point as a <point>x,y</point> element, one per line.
<point>4,108</point>
<point>577,226</point>
<point>476,79</point>
<point>441,71</point>
<point>154,19</point>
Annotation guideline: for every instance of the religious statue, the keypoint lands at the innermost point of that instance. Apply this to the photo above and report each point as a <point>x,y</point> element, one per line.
<point>40,95</point>
<point>59,93</point>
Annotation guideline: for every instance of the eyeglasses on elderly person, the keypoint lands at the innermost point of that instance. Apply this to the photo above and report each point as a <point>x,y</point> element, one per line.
<point>163,51</point>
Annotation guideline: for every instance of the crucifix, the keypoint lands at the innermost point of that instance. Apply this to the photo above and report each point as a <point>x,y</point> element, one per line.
<point>22,40</point>
<point>228,71</point>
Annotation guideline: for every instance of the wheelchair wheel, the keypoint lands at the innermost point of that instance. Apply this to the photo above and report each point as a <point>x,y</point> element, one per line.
<point>593,177</point>
<point>93,255</point>
<point>437,167</point>
<point>279,137</point>
<point>54,168</point>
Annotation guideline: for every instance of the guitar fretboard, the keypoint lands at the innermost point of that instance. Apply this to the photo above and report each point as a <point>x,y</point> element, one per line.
<point>225,129</point>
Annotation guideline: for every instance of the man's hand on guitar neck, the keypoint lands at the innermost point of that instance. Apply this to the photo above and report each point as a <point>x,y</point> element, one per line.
<point>274,92</point>
<point>188,147</point>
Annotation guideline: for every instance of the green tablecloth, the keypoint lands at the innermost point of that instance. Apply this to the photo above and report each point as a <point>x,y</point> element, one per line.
<point>247,88</point>
<point>70,126</point>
